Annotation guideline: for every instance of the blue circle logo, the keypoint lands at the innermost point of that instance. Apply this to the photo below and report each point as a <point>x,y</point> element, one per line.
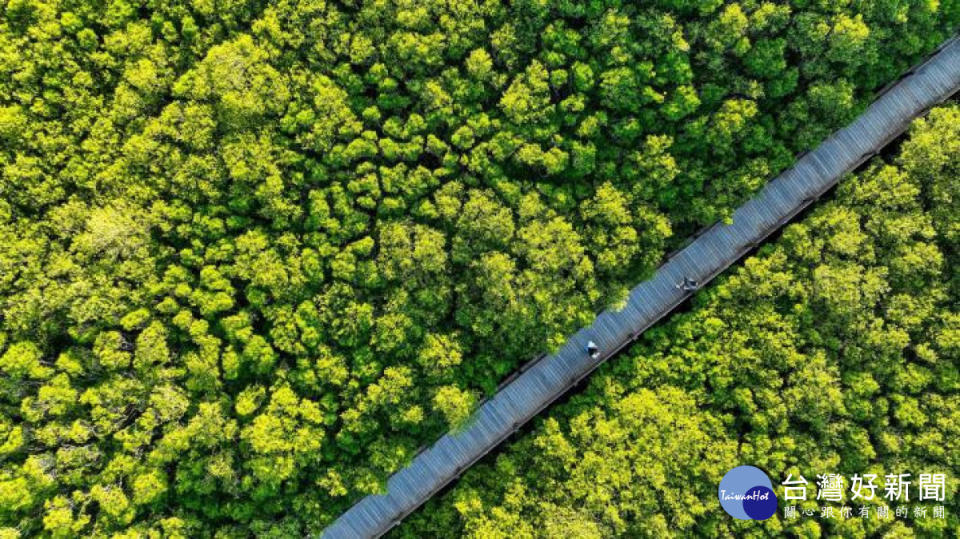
<point>747,493</point>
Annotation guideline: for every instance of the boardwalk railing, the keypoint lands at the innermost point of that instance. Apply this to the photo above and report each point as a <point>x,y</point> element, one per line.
<point>715,249</point>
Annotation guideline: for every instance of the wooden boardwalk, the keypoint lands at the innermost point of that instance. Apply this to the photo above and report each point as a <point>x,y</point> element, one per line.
<point>706,256</point>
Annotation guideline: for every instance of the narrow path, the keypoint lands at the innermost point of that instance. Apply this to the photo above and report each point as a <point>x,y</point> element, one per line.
<point>704,258</point>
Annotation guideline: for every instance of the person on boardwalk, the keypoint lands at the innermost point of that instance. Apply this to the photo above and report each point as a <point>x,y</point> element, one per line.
<point>593,350</point>
<point>688,284</point>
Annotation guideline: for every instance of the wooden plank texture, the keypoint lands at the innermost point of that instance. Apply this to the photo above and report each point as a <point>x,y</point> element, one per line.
<point>709,254</point>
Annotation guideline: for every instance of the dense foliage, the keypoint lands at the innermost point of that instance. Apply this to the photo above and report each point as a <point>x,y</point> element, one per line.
<point>252,255</point>
<point>834,350</point>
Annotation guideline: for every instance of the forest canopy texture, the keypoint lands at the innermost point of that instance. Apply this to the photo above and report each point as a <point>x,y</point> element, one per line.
<point>253,255</point>
<point>834,350</point>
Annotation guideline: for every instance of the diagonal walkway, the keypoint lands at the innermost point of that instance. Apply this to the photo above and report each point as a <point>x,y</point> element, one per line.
<point>705,257</point>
